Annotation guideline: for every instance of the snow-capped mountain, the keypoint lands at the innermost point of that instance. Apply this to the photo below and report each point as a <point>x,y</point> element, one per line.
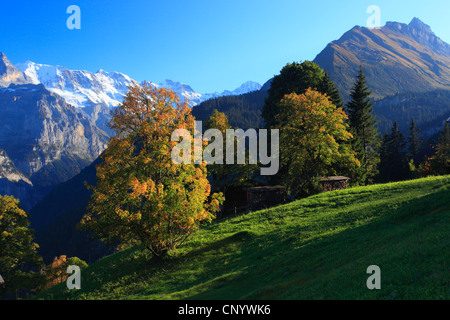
<point>184,91</point>
<point>96,93</point>
<point>87,89</point>
<point>78,87</point>
<point>246,87</point>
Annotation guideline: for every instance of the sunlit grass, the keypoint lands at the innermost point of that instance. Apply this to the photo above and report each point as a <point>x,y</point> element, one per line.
<point>315,248</point>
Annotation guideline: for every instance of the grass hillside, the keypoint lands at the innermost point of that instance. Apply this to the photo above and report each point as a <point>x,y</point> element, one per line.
<point>315,248</point>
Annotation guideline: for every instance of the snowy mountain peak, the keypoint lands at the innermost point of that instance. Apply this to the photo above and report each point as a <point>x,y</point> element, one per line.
<point>96,93</point>
<point>80,88</point>
<point>247,87</point>
<point>87,89</point>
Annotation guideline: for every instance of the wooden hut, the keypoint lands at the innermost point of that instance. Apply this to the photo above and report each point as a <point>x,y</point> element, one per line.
<point>264,197</point>
<point>334,183</point>
<point>242,199</point>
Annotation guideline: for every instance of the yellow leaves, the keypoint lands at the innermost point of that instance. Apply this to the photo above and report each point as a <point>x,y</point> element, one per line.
<point>136,217</point>
<point>122,213</point>
<point>311,127</point>
<point>138,188</point>
<point>141,195</point>
<point>6,234</point>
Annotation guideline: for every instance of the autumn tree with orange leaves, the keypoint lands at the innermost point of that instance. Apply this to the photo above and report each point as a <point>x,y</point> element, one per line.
<point>313,133</point>
<point>142,196</point>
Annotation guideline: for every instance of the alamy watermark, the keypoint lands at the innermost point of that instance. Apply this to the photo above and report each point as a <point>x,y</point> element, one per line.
<point>374,281</point>
<point>74,281</point>
<point>74,21</point>
<point>214,152</point>
<point>374,21</point>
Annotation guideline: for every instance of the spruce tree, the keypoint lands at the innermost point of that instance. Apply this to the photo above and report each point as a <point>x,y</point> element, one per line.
<point>328,86</point>
<point>362,126</point>
<point>393,164</point>
<point>440,162</point>
<point>384,164</point>
<point>414,142</point>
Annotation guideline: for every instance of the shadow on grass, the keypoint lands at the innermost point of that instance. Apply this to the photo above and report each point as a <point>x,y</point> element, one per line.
<point>324,262</point>
<point>274,265</point>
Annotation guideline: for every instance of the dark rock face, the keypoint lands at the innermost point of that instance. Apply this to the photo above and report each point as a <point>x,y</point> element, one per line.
<point>45,139</point>
<point>396,58</point>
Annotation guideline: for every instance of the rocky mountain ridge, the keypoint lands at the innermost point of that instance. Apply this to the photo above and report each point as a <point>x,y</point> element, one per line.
<point>396,58</point>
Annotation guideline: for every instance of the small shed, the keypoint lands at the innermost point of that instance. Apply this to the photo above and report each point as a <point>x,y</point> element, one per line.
<point>334,183</point>
<point>242,199</point>
<point>264,197</point>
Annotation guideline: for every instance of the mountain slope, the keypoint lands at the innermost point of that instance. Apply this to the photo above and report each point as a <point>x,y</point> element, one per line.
<point>407,67</point>
<point>45,138</point>
<point>396,58</point>
<point>429,109</point>
<point>315,248</point>
<point>243,111</point>
<point>56,216</point>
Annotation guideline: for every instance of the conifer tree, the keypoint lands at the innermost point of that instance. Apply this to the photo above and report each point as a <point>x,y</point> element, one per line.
<point>362,126</point>
<point>393,157</point>
<point>414,142</point>
<point>328,86</point>
<point>440,162</point>
<point>224,175</point>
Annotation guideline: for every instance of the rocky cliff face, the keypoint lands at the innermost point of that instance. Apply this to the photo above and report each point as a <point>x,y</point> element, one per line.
<point>9,73</point>
<point>14,182</point>
<point>45,139</point>
<point>396,58</point>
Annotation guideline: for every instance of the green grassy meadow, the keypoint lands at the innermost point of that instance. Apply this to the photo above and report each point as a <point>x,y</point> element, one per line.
<point>315,248</point>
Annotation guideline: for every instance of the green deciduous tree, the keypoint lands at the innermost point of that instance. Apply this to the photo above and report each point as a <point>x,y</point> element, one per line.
<point>19,261</point>
<point>311,128</point>
<point>293,78</point>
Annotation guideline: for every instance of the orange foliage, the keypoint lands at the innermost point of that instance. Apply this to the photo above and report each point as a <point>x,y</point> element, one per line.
<point>142,196</point>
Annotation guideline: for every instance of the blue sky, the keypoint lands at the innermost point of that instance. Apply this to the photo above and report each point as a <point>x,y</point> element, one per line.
<point>209,44</point>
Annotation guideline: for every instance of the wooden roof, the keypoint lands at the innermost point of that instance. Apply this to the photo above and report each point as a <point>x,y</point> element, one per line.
<point>334,178</point>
